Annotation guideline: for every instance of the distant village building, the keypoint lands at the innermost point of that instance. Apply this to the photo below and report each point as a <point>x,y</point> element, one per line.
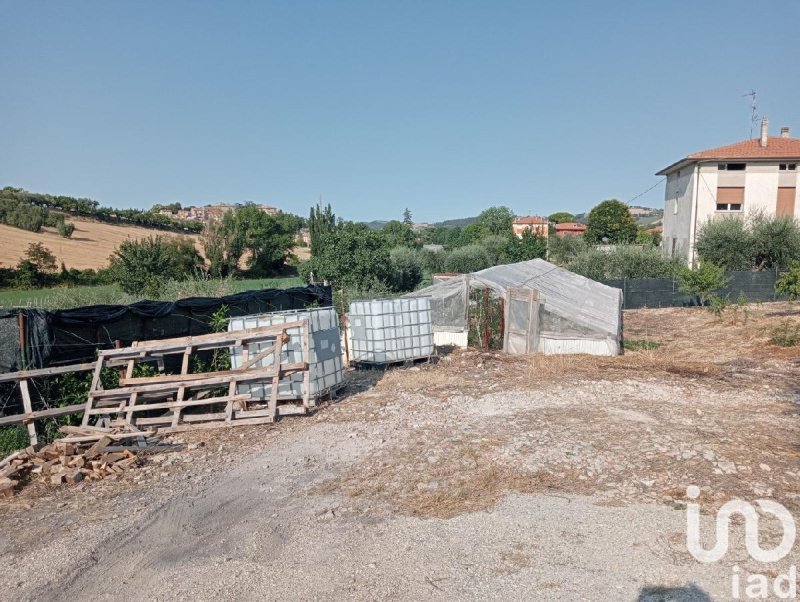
<point>758,174</point>
<point>303,237</point>
<point>570,229</point>
<point>209,213</point>
<point>536,225</point>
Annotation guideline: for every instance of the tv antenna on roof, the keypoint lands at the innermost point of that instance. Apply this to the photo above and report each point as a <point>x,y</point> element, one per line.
<point>753,110</point>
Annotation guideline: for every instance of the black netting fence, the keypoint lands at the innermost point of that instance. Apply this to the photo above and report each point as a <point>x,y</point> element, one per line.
<point>665,292</point>
<point>74,335</point>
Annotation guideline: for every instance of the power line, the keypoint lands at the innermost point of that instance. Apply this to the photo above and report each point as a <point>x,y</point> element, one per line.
<point>641,194</point>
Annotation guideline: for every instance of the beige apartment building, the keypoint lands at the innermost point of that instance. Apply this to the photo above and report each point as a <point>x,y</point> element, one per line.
<point>751,175</point>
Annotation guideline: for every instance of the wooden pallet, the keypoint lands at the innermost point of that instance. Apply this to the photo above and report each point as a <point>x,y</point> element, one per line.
<point>170,395</point>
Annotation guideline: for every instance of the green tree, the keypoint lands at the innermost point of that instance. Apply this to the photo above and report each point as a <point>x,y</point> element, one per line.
<point>406,269</point>
<point>183,257</point>
<point>351,256</point>
<point>142,266</point>
<point>526,247</point>
<point>564,249</point>
<point>407,220</point>
<point>497,246</point>
<point>41,257</point>
<point>496,220</point>
<point>321,223</point>
<point>726,242</point>
<point>561,217</point>
<point>398,234</point>
<point>776,241</point>
<point>704,281</point>
<point>467,259</point>
<point>264,240</point>
<point>610,222</point>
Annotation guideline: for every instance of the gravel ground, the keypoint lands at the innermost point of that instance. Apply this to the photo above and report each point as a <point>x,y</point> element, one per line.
<point>470,479</point>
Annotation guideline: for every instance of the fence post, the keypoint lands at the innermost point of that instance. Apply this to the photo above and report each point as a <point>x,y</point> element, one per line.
<point>486,319</point>
<point>23,352</point>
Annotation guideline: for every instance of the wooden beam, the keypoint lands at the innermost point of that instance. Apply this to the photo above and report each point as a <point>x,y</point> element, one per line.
<point>48,413</point>
<point>170,405</point>
<point>28,374</point>
<point>28,407</point>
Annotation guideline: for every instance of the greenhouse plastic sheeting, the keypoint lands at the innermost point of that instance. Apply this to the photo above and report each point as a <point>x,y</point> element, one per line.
<point>573,308</point>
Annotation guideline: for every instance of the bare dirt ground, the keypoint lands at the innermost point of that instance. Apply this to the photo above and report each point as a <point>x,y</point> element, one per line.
<point>90,246</point>
<point>480,477</point>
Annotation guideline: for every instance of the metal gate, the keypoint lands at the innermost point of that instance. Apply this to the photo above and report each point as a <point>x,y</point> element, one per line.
<point>522,322</point>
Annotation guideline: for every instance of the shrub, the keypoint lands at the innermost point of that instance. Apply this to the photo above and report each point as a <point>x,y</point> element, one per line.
<point>624,262</point>
<point>776,241</point>
<point>497,247</point>
<point>433,261</point>
<point>471,258</point>
<point>406,269</point>
<point>66,229</point>
<point>563,250</point>
<point>759,242</point>
<point>726,242</point>
<point>142,266</point>
<point>703,281</point>
<point>786,334</point>
<point>12,438</point>
<point>789,283</point>
<point>526,247</point>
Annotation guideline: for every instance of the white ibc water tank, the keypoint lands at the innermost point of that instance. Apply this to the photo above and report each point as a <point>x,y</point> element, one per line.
<point>391,330</point>
<point>325,352</point>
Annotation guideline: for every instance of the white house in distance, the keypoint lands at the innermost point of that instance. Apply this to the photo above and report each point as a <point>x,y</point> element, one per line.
<point>758,174</point>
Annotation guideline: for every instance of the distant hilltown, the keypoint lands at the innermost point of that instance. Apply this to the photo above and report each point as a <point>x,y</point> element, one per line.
<point>205,214</point>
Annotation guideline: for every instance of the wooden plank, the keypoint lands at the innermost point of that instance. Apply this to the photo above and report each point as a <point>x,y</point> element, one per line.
<point>170,405</point>
<point>171,385</point>
<point>28,374</point>
<point>282,410</point>
<point>112,436</point>
<point>28,407</point>
<point>48,413</point>
<point>203,342</point>
<point>214,425</point>
<point>92,388</point>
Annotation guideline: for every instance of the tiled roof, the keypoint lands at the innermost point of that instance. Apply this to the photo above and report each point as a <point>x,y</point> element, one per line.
<point>777,147</point>
<point>570,226</point>
<point>531,219</point>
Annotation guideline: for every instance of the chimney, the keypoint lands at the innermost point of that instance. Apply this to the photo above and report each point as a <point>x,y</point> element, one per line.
<point>784,132</point>
<point>764,127</point>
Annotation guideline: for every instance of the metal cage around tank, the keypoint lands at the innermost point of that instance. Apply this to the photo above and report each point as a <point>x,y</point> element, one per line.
<point>385,331</point>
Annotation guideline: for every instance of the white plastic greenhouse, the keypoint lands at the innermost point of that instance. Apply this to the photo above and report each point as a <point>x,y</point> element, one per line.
<point>547,309</point>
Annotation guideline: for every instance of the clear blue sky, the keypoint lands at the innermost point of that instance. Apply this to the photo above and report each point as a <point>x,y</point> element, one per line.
<point>445,107</point>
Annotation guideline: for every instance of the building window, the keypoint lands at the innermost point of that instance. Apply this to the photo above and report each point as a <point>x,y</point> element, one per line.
<point>787,166</point>
<point>730,198</point>
<point>731,166</point>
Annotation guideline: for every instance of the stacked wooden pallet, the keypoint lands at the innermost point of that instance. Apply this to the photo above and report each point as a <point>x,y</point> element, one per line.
<point>170,402</point>
<point>86,453</point>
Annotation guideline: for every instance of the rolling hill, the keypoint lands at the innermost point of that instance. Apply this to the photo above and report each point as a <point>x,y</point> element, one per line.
<point>89,247</point>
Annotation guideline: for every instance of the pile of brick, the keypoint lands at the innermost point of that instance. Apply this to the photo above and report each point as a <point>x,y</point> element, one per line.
<point>91,453</point>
